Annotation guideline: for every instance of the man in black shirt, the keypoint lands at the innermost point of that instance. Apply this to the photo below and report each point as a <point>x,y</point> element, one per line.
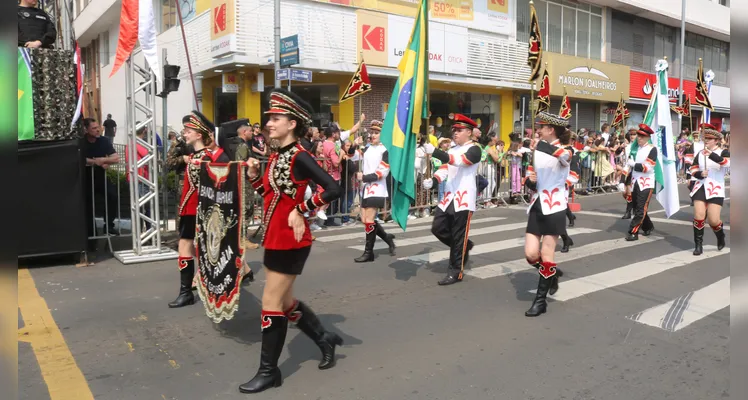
<point>306,141</point>
<point>100,155</point>
<point>35,28</point>
<point>110,127</point>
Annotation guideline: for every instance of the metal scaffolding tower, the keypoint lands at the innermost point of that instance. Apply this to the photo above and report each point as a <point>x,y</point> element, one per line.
<point>144,193</point>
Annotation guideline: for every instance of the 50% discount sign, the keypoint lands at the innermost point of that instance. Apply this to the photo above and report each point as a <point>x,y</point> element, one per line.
<point>445,9</point>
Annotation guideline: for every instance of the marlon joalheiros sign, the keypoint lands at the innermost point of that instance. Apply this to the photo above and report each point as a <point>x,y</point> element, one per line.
<point>587,79</point>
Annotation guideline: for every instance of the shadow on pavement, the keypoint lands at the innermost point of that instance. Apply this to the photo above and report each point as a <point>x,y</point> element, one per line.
<point>404,270</point>
<point>301,348</point>
<point>523,282</point>
<point>244,328</point>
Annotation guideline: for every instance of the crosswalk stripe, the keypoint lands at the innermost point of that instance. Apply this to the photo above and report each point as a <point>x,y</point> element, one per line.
<point>436,256</point>
<point>360,235</point>
<point>687,309</point>
<point>679,208</point>
<point>571,289</point>
<point>662,220</point>
<point>431,238</point>
<point>419,221</point>
<point>511,267</point>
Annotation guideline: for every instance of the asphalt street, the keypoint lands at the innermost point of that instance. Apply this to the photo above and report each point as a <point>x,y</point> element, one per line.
<point>632,320</point>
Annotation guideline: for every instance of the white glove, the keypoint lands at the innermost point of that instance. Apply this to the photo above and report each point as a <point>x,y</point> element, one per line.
<point>631,162</point>
<point>429,148</point>
<point>428,183</point>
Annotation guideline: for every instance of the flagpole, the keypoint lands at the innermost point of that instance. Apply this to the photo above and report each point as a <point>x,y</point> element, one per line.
<point>187,54</point>
<point>682,58</point>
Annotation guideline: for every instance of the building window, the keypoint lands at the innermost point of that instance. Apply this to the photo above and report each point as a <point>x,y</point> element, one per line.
<point>583,37</point>
<point>168,15</point>
<point>713,52</point>
<point>596,37</point>
<point>104,48</point>
<point>567,27</point>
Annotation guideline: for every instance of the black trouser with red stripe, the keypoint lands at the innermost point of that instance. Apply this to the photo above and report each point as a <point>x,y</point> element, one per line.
<point>640,200</point>
<point>452,228</point>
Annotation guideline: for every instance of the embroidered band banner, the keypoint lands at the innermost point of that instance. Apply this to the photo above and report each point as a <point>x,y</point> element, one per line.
<point>218,238</point>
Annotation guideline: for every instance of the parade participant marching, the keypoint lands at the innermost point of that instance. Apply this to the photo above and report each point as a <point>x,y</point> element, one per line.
<point>626,180</point>
<point>546,213</point>
<point>641,168</point>
<point>287,239</point>
<point>376,169</point>
<point>708,194</point>
<point>199,133</point>
<point>571,180</point>
<point>451,223</point>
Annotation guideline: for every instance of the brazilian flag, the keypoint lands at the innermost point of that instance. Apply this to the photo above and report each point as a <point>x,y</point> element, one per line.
<point>402,124</point>
<point>25,97</point>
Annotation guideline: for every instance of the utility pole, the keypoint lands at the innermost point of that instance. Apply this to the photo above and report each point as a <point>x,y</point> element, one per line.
<point>682,59</point>
<point>277,41</point>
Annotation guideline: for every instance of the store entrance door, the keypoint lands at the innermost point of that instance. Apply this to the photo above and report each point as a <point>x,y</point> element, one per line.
<point>226,106</point>
<point>481,108</point>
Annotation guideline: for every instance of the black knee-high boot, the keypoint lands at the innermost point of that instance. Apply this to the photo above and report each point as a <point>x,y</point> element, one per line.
<point>570,216</point>
<point>547,272</point>
<point>554,280</point>
<point>698,236</point>
<point>274,328</point>
<point>307,321</point>
<point>720,233</point>
<point>371,236</point>
<point>388,238</point>
<point>186,273</point>
<point>566,243</point>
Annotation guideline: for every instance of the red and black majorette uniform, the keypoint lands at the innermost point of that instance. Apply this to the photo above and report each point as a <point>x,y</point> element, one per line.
<point>282,187</point>
<point>451,224</point>
<point>709,185</point>
<point>547,210</point>
<point>188,202</point>
<point>571,180</point>
<point>641,170</point>
<point>376,168</point>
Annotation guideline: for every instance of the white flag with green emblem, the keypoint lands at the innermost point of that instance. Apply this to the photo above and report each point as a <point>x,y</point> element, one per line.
<point>658,118</point>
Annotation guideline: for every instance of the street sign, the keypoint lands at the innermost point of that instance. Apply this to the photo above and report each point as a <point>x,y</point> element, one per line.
<point>301,75</point>
<point>282,74</point>
<point>289,51</point>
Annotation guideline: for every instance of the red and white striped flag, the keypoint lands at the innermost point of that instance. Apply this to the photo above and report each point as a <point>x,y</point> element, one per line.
<point>137,24</point>
<point>79,84</point>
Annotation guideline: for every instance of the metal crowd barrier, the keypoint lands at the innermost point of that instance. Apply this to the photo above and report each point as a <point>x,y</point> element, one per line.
<point>110,206</point>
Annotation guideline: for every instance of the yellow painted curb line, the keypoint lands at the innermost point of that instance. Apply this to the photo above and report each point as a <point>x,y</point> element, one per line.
<point>60,371</point>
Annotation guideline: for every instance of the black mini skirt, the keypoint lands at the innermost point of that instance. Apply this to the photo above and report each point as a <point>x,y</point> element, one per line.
<point>289,262</point>
<point>187,227</point>
<point>700,195</point>
<point>545,225</point>
<point>373,202</point>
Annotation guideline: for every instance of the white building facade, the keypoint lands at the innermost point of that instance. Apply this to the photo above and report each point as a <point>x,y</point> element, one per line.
<point>478,54</point>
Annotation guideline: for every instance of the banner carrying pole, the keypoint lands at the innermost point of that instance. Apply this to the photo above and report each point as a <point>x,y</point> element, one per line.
<point>187,54</point>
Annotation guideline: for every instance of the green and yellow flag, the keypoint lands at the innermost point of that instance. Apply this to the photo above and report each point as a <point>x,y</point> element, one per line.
<point>402,124</point>
<point>25,98</point>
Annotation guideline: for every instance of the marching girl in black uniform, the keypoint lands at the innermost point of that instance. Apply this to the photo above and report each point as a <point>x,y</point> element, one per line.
<point>199,133</point>
<point>547,212</point>
<point>287,239</point>
<point>374,177</point>
<point>708,193</point>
